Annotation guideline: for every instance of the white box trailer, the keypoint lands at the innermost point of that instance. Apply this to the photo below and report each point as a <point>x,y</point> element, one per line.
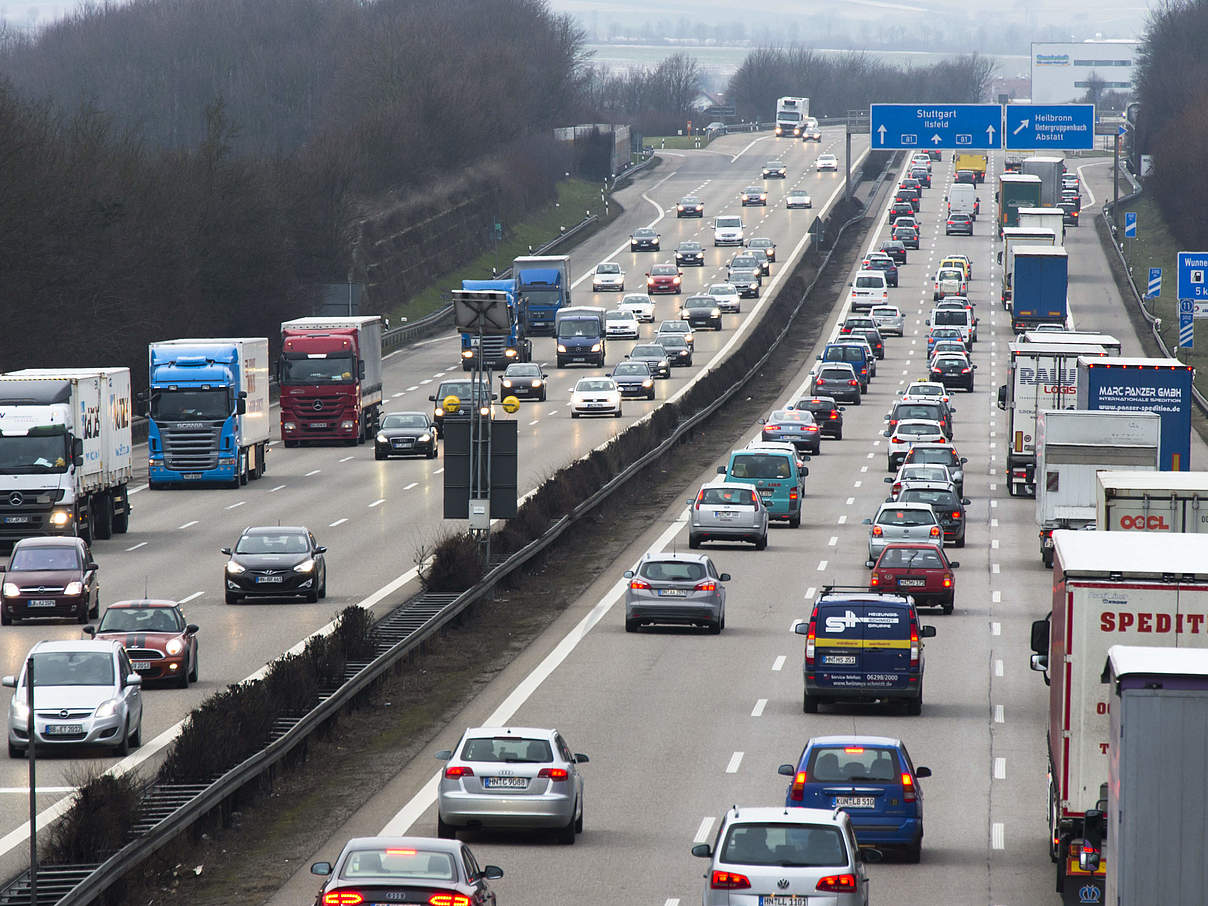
<point>1013,239</point>
<point>1152,501</point>
<point>1073,448</point>
<point>1044,219</point>
<point>1109,588</point>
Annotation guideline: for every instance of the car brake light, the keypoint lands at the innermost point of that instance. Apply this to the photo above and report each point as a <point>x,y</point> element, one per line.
<point>700,497</point>
<point>853,383</point>
<point>459,771</point>
<point>897,440</point>
<point>853,750</point>
<point>771,427</point>
<point>342,898</point>
<point>556,774</point>
<point>448,899</point>
<point>956,514</point>
<point>834,414</point>
<point>964,371</point>
<point>793,494</point>
<point>797,793</point>
<point>811,427</point>
<point>838,884</point>
<point>914,645</point>
<point>875,579</point>
<point>908,794</point>
<point>639,584</point>
<point>706,586</point>
<point>877,531</point>
<point>810,642</point>
<point>935,531</point>
<point>948,580</point>
<point>728,880</point>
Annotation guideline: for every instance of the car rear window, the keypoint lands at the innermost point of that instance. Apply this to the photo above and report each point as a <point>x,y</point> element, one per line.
<point>842,763</point>
<point>515,749</point>
<point>910,558</point>
<point>844,354</point>
<point>906,517</point>
<point>926,495</point>
<point>916,410</point>
<point>399,863</point>
<point>761,465</point>
<point>672,571</point>
<point>835,374</point>
<point>938,456</point>
<point>727,497</point>
<point>923,472</point>
<point>950,316</point>
<point>796,845</point>
<point>870,282</point>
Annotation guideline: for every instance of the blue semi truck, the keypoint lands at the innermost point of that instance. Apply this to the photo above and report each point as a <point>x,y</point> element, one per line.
<point>208,411</point>
<point>499,351</point>
<point>1039,287</point>
<point>543,286</point>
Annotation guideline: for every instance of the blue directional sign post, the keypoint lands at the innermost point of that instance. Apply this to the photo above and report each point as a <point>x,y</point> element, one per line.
<point>1193,281</point>
<point>1039,126</point>
<point>959,127</point>
<point>1186,324</point>
<point>1154,288</point>
<point>1130,224</point>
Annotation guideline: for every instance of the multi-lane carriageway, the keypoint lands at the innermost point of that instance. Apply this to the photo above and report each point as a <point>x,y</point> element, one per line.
<point>680,725</point>
<point>374,516</point>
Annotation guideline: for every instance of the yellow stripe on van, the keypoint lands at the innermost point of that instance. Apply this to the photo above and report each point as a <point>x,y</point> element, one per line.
<point>861,643</point>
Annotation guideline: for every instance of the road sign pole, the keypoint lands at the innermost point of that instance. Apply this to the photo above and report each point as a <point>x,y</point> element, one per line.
<point>1116,186</point>
<point>847,159</point>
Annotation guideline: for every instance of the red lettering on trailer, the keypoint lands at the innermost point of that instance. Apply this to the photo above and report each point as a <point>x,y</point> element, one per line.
<point>1125,621</point>
<point>1147,621</point>
<point>1144,523</point>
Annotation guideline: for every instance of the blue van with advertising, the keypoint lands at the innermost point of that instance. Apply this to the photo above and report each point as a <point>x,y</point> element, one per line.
<point>777,477</point>
<point>861,646</point>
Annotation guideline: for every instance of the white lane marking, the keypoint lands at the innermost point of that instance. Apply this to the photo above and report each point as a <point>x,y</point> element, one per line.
<point>377,502</point>
<point>1000,768</point>
<point>425,381</point>
<point>993,523</point>
<point>412,485</point>
<point>865,468</point>
<point>438,471</point>
<point>412,387</point>
<point>1000,716</point>
<point>312,472</point>
<point>671,901</point>
<point>735,761</point>
<point>760,704</point>
<point>533,422</point>
<point>996,628</point>
<point>870,456</point>
<point>809,593</point>
<point>994,544</point>
<point>337,522</point>
<point>857,484</point>
<point>994,503</point>
<point>702,832</point>
<point>346,459</point>
<point>234,506</point>
<point>998,666</point>
<point>995,568</point>
<point>189,524</point>
<point>842,520</point>
<point>822,565</point>
<point>192,597</point>
<point>136,547</point>
<point>277,488</point>
<point>395,396</point>
<point>851,500</point>
<point>997,836</point>
<point>996,596</point>
<point>778,664</point>
<point>834,539</point>
<point>141,487</point>
<point>747,148</point>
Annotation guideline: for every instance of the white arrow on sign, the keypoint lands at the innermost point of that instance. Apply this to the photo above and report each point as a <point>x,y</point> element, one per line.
<point>990,134</point>
<point>935,139</point>
<point>881,133</point>
<point>1023,124</point>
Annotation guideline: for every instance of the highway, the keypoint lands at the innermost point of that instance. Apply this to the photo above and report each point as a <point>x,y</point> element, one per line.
<point>680,725</point>
<point>375,516</point>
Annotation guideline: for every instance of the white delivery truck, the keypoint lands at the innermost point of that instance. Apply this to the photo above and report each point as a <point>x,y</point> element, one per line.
<point>1106,340</point>
<point>791,114</point>
<point>1109,588</point>
<point>1044,219</point>
<point>1152,501</point>
<point>962,199</point>
<point>1073,447</point>
<point>65,450</point>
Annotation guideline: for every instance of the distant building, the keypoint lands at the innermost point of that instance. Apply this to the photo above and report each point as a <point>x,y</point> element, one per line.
<point>1061,73</point>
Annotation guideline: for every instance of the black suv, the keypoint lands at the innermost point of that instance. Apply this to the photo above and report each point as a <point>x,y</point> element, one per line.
<point>927,410</point>
<point>945,502</point>
<point>828,414</point>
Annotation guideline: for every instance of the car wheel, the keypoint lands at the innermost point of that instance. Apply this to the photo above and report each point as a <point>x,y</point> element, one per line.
<point>83,617</point>
<point>650,395</point>
<point>762,543</point>
<point>123,747</point>
<point>574,415</point>
<point>193,672</point>
<point>859,401</point>
<point>323,585</point>
<point>15,751</point>
<point>693,541</point>
<point>566,835</point>
<point>543,396</point>
<point>312,596</point>
<point>960,542</point>
<point>137,739</point>
<point>631,625</point>
<point>714,628</point>
<point>579,820</point>
<point>432,454</point>
<point>809,703</point>
<point>182,681</point>
<point>233,598</point>
<point>617,414</point>
<point>839,435</point>
<point>445,831</point>
<point>914,706</point>
<point>6,618</point>
<point>795,521</point>
<point>948,606</point>
<point>378,454</point>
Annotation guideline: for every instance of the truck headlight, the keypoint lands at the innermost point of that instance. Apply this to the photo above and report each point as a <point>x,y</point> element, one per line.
<point>234,568</point>
<point>11,590</point>
<point>306,566</point>
<point>289,426</point>
<point>60,517</point>
<point>595,347</point>
<point>174,646</point>
<point>74,588</point>
<point>561,347</point>
<point>467,353</point>
<point>510,353</point>
<point>347,426</point>
<point>439,412</point>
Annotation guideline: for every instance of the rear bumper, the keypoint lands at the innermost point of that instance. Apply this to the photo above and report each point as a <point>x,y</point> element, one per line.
<point>502,810</point>
<point>885,830</point>
<point>676,614</point>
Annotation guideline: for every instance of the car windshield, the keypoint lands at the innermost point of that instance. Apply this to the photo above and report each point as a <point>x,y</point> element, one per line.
<point>951,274</point>
<point>907,231</point>
<point>631,368</point>
<point>650,352</point>
<point>910,558</point>
<point>594,386</point>
<point>522,370</point>
<point>663,270</point>
<point>759,244</point>
<point>936,455</point>
<point>689,246</point>
<point>578,327</point>
<point>886,313</point>
<point>843,354</point>
<point>727,496</point>
<point>690,199</point>
<point>916,410</point>
<point>880,264</point>
<point>607,268</point>
<point>49,559</point>
<point>924,472</point>
<point>399,420</point>
<point>460,389</point>
<point>140,619</point>
<point>906,517</point>
<point>674,327</point>
<point>834,374</point>
<point>644,234</point>
<point>619,316</point>
<point>924,390</point>
<point>792,415</point>
<point>72,668</point>
<point>215,405</point>
<point>673,570</point>
<point>721,289</point>
<point>727,222</point>
<point>784,845</point>
<point>951,316</point>
<point>930,496</point>
<point>699,302</point>
<point>760,465</point>
<point>754,190</point>
<point>511,749</point>
<point>274,543</point>
<point>399,863</point>
<point>636,299</point>
<point>950,362</point>
<point>836,764</point>
<point>673,341</point>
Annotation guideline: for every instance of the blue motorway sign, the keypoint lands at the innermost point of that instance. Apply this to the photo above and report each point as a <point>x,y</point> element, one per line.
<point>1039,126</point>
<point>1154,287</point>
<point>957,126</point>
<point>1193,282</point>
<point>1187,330</point>
<point>1130,224</point>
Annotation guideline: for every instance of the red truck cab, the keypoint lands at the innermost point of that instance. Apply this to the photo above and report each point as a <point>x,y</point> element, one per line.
<point>330,375</point>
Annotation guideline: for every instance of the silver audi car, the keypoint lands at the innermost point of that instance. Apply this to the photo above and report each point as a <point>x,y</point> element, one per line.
<point>511,777</point>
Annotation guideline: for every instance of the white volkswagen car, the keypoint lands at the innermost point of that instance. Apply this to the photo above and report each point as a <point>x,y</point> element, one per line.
<point>727,230</point>
<point>621,323</point>
<point>595,396</point>
<point>826,162</point>
<point>640,304</point>
<point>608,277</point>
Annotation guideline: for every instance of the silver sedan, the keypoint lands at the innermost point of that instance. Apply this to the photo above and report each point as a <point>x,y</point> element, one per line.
<point>510,777</point>
<point>902,522</point>
<point>680,589</point>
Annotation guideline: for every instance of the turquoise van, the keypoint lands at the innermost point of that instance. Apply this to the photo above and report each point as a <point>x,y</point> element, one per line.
<point>776,477</point>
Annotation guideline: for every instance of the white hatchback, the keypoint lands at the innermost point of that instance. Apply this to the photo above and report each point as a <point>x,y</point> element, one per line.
<point>727,296</point>
<point>827,162</point>
<point>728,231</point>
<point>608,277</point>
<point>595,396</point>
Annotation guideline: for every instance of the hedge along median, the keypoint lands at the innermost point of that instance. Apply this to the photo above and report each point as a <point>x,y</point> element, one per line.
<point>231,726</point>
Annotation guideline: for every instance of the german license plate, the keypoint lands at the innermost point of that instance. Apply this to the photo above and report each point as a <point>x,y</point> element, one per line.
<point>913,582</point>
<point>62,729</point>
<point>505,783</point>
<point>16,520</point>
<point>191,476</point>
<point>403,443</point>
<point>141,665</point>
<point>855,802</point>
<point>724,517</point>
<point>840,659</point>
<point>765,492</point>
<point>782,899</point>
<point>317,425</point>
<point>269,579</point>
<point>41,602</point>
<point>672,593</point>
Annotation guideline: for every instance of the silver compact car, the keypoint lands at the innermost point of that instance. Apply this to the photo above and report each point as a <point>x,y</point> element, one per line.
<point>770,856</point>
<point>86,693</point>
<point>907,522</point>
<point>723,511</point>
<point>680,589</point>
<point>511,777</point>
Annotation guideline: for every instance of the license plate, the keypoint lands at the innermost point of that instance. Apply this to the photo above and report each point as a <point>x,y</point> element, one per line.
<point>842,659</point>
<point>266,579</point>
<point>855,802</point>
<point>782,899</point>
<point>16,520</point>
<point>191,476</point>
<point>765,492</point>
<point>41,602</point>
<point>913,582</point>
<point>403,443</point>
<point>62,729</point>
<point>672,593</point>
<point>317,425</point>
<point>141,665</point>
<point>724,517</point>
<point>505,783</point>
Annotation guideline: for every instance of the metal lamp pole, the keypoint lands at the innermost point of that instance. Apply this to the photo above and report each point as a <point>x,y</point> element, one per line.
<point>33,773</point>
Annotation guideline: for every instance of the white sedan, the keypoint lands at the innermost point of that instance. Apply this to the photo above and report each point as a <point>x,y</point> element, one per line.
<point>798,198</point>
<point>640,304</point>
<point>621,323</point>
<point>595,396</point>
<point>727,297</point>
<point>608,276</point>
<point>826,162</point>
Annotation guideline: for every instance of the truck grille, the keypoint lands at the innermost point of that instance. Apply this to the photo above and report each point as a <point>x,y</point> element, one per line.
<point>190,449</point>
<point>25,513</point>
<point>317,407</point>
<point>493,347</point>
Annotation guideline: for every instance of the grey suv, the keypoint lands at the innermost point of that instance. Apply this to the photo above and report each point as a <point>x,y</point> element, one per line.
<point>681,589</point>
<point>724,511</point>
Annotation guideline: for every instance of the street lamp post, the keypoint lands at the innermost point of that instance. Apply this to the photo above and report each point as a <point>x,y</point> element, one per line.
<point>31,749</point>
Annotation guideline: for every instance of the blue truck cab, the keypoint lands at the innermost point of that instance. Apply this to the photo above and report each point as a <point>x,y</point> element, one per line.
<point>498,351</point>
<point>543,287</point>
<point>776,477</point>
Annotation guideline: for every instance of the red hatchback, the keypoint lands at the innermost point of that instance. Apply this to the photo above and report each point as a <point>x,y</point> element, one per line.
<point>161,644</point>
<point>663,278</point>
<point>919,570</point>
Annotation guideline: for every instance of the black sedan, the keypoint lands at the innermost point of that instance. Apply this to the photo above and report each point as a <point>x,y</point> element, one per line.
<point>406,434</point>
<point>746,282</point>
<point>275,562</point>
<point>690,206</point>
<point>702,311</point>
<point>895,250</point>
<point>886,265</point>
<point>655,355</point>
<point>953,371</point>
<point>753,195</point>
<point>523,380</point>
<point>689,253</point>
<point>644,240</point>
<point>409,870</point>
<point>634,378</point>
<point>827,413</point>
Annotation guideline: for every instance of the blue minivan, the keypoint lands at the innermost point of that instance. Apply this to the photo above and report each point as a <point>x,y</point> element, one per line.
<point>856,355</point>
<point>776,477</point>
<point>861,646</point>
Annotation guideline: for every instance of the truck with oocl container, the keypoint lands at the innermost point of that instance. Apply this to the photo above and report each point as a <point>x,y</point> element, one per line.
<point>1040,376</point>
<point>791,114</point>
<point>1121,384</point>
<point>1044,218</point>
<point>330,379</point>
<point>207,411</point>
<point>543,288</point>
<point>1109,588</point>
<point>1049,171</point>
<point>1152,501</point>
<point>1015,191</point>
<point>1039,287</point>
<point>65,452</point>
<point>1157,795</point>
<point>1013,239</point>
<point>1073,447</point>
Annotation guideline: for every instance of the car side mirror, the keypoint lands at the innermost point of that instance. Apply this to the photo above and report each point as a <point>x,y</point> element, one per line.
<point>869,854</point>
<point>763,421</point>
<point>321,549</point>
<point>580,758</point>
<point>927,632</point>
<point>922,771</point>
<point>10,681</point>
<point>1040,636</point>
<point>954,564</point>
<point>725,577</point>
<point>628,574</point>
<point>721,470</point>
<point>443,755</point>
<point>964,460</point>
<point>492,872</point>
<point>702,851</point>
<point>431,399</point>
<point>192,629</point>
<point>886,433</point>
<point>224,550</point>
<point>89,630</point>
<point>1040,663</point>
<point>965,501</point>
<point>928,322</point>
<point>887,479</point>
<point>885,417</point>
<point>134,680</point>
<point>241,405</point>
<point>320,868</point>
<point>805,471</point>
<point>787,770</point>
<point>92,564</point>
<point>869,564</point>
<point>866,522</point>
<point>801,627</point>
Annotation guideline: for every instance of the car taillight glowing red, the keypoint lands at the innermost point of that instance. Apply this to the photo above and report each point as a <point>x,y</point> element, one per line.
<point>838,884</point>
<point>458,770</point>
<point>793,494</point>
<point>877,531</point>
<point>448,899</point>
<point>948,580</point>
<point>914,645</point>
<point>810,643</point>
<point>639,585</point>
<point>956,514</point>
<point>706,586</point>
<point>699,499</point>
<point>875,579</point>
<point>556,774</point>
<point>834,414</point>
<point>853,383</point>
<point>771,427</point>
<point>728,880</point>
<point>908,794</point>
<point>797,792</point>
<point>935,531</point>
<point>343,898</point>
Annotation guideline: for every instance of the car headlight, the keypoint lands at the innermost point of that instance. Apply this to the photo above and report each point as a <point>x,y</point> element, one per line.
<point>381,438</point>
<point>74,588</point>
<point>306,566</point>
<point>507,383</point>
<point>715,313</point>
<point>20,710</point>
<point>536,383</point>
<point>424,438</point>
<point>647,383</point>
<point>438,412</point>
<point>174,646</point>
<point>11,590</point>
<point>108,708</point>
<point>60,517</point>
<point>561,347</point>
<point>595,347</point>
<point>234,568</point>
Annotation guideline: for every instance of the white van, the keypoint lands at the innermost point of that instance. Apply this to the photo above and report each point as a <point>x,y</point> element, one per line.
<point>960,318</point>
<point>727,230</point>
<point>962,199</point>
<point>868,289</point>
